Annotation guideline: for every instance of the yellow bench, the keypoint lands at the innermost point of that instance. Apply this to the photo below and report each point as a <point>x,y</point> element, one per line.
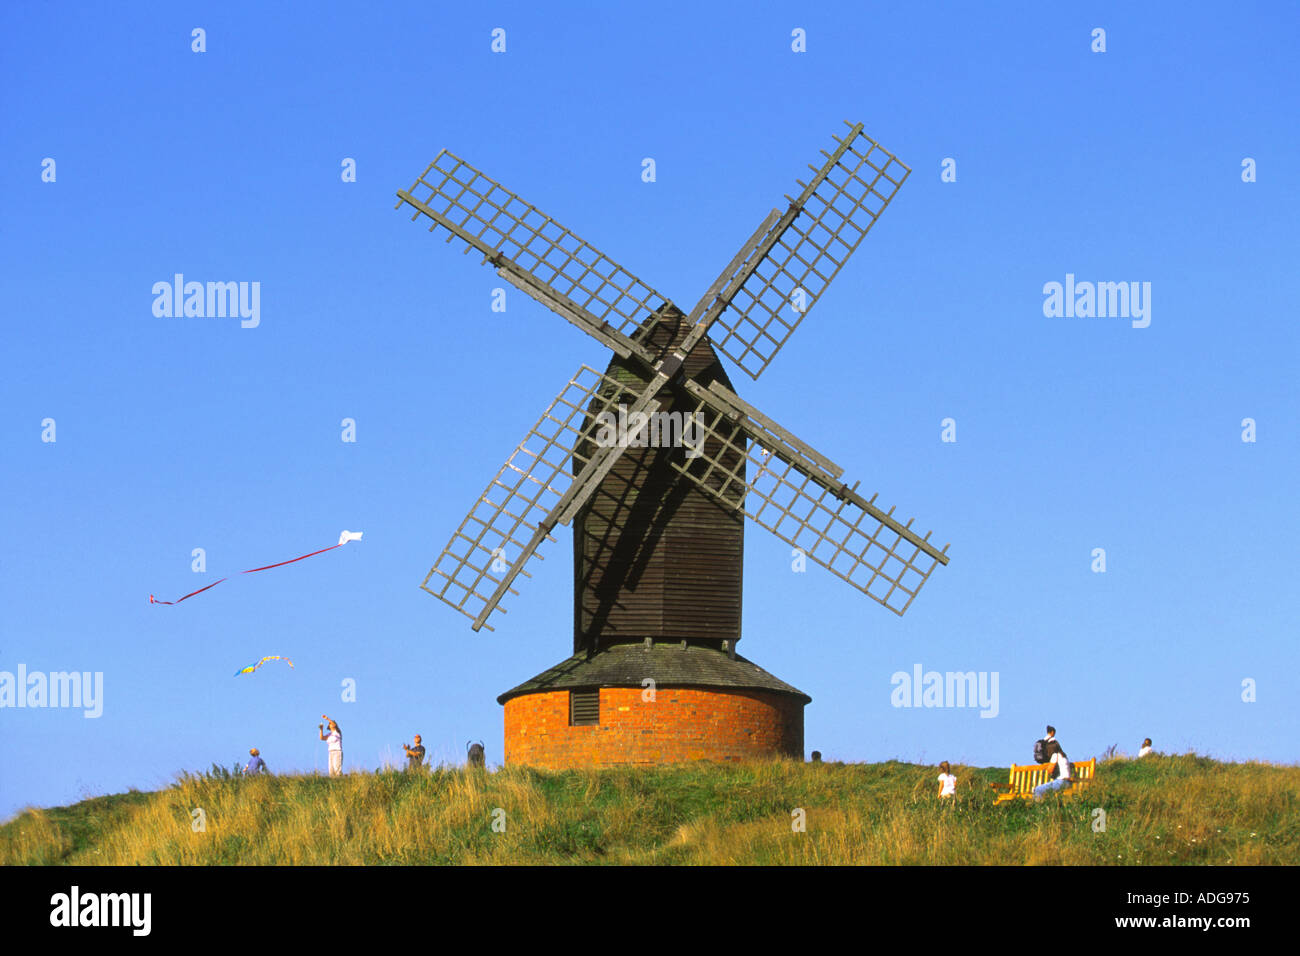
<point>1024,778</point>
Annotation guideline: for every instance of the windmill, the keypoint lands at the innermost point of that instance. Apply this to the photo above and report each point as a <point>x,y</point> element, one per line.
<point>655,462</point>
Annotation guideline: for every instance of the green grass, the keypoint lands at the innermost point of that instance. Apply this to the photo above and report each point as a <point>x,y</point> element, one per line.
<point>1183,810</point>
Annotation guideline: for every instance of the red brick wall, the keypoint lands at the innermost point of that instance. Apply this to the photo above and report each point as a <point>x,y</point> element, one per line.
<point>679,725</point>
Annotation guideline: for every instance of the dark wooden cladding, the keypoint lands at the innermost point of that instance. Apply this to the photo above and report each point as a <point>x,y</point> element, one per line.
<point>654,556</point>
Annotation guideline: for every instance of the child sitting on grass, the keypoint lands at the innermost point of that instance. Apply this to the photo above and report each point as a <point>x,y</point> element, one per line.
<point>947,780</point>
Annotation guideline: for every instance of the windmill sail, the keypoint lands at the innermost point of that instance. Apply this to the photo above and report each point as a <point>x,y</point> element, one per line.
<point>514,515</point>
<point>788,488</point>
<point>533,251</point>
<point>748,463</point>
<point>806,248</point>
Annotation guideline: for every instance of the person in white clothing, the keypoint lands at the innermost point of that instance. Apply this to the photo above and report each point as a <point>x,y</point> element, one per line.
<point>334,743</point>
<point>947,780</point>
<point>1146,748</point>
<point>1062,764</point>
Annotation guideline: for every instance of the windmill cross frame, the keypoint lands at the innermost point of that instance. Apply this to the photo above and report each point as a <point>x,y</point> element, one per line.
<point>786,264</point>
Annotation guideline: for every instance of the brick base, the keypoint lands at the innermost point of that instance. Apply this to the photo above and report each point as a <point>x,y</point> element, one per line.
<point>680,724</point>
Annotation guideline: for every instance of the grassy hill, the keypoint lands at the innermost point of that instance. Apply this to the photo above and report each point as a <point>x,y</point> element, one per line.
<point>1160,810</point>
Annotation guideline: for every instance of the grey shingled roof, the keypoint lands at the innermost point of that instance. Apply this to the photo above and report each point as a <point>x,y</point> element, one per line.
<point>668,664</point>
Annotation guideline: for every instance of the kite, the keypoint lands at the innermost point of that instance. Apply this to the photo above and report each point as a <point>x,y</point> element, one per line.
<point>344,538</point>
<point>252,667</point>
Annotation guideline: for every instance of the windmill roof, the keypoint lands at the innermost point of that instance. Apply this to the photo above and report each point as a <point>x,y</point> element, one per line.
<point>667,664</point>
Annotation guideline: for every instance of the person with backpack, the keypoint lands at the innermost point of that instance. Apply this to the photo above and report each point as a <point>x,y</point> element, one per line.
<point>1042,752</point>
<point>1060,769</point>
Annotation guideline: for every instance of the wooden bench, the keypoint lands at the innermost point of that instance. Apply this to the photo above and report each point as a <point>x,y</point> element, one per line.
<point>1023,779</point>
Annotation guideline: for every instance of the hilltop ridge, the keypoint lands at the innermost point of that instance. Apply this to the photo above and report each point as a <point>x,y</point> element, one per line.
<point>1160,810</point>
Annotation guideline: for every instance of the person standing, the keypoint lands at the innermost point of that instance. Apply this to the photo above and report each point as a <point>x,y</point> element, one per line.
<point>947,780</point>
<point>414,755</point>
<point>334,743</point>
<point>255,763</point>
<point>1146,748</point>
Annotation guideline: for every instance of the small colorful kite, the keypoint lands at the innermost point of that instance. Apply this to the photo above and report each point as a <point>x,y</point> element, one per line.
<point>344,538</point>
<point>252,667</point>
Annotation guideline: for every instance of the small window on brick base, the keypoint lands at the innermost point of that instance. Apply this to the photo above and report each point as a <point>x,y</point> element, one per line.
<point>584,708</point>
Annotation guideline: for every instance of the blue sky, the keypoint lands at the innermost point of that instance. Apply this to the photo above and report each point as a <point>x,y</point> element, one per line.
<point>1072,433</point>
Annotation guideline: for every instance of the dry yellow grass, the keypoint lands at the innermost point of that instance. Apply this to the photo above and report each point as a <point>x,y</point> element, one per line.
<point>1182,810</point>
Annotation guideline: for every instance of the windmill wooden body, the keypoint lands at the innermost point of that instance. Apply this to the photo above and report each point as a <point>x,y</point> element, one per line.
<point>656,462</point>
